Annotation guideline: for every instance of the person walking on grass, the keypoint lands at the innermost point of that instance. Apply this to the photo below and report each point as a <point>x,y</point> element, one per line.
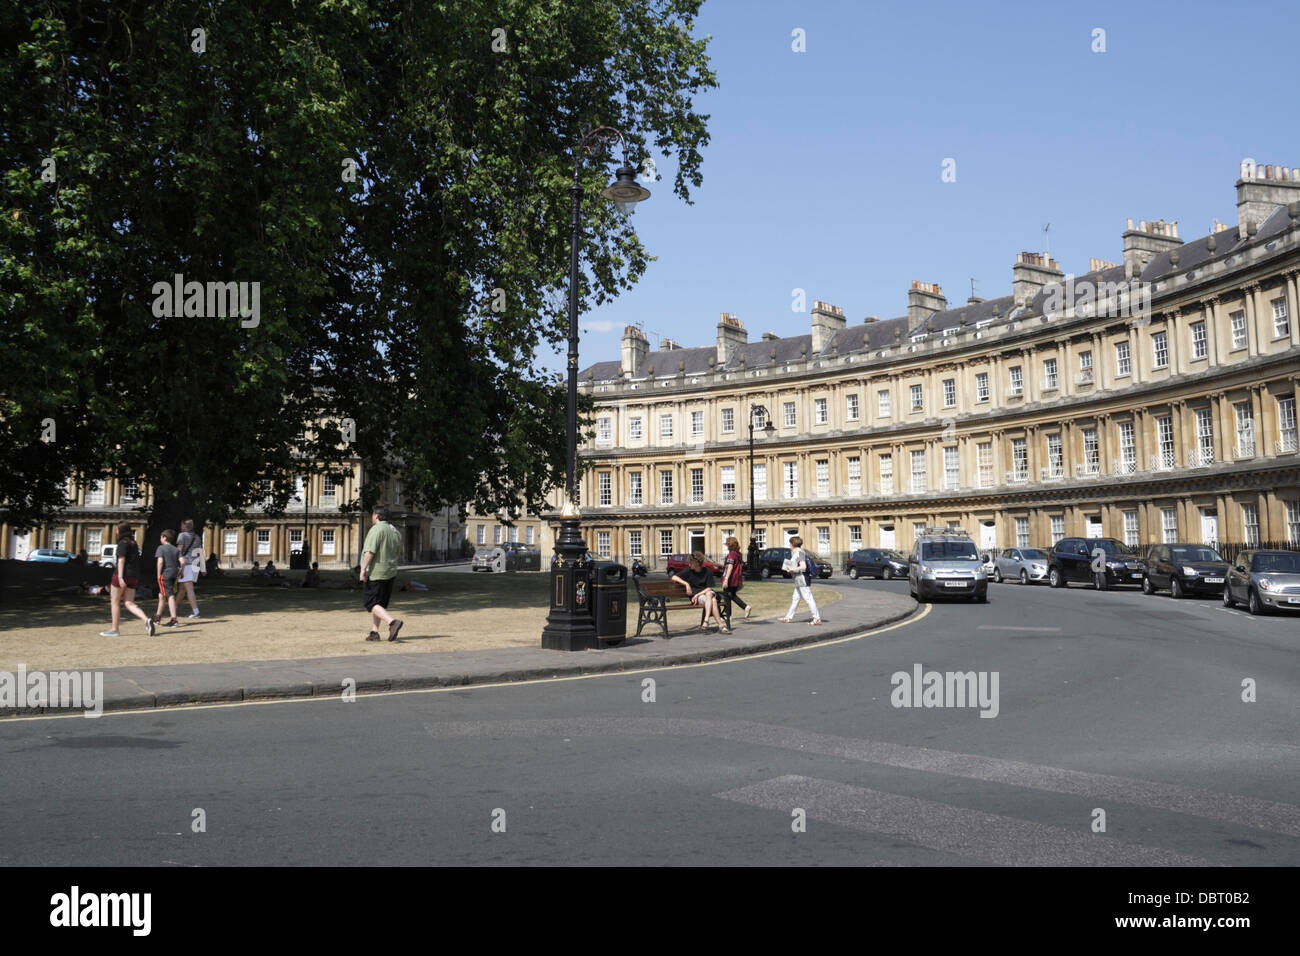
<point>125,581</point>
<point>733,573</point>
<point>168,559</point>
<point>382,548</point>
<point>801,570</point>
<point>190,546</point>
<point>699,588</point>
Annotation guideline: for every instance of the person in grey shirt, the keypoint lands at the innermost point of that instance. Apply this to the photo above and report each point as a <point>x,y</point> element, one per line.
<point>168,560</point>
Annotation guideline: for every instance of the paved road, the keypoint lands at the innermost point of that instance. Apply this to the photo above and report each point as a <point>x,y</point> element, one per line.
<point>1110,702</point>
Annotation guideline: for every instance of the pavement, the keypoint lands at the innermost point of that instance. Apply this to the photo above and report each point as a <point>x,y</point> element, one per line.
<point>143,688</point>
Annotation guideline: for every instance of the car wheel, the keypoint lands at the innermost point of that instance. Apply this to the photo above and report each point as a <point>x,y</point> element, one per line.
<point>1227,597</point>
<point>1054,578</point>
<point>1175,589</point>
<point>889,574</point>
<point>997,575</point>
<point>853,573</point>
<point>1253,603</point>
<point>1147,586</point>
<point>765,573</point>
<point>1024,576</point>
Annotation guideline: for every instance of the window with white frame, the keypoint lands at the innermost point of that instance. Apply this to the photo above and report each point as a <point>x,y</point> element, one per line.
<point>329,493</point>
<point>1165,440</point>
<point>1281,321</point>
<point>790,481</point>
<point>1019,459</point>
<point>787,409</point>
<point>697,486</point>
<point>819,411</point>
<point>918,529</point>
<point>496,534</point>
<point>887,474</point>
<point>697,424</point>
<point>327,542</point>
<point>851,407</point>
<point>1091,458</point>
<point>1017,380</point>
<point>1169,524</point>
<point>230,542</point>
<point>1022,533</point>
<point>529,536</point>
<point>981,386</point>
<point>1245,418</point>
<point>1286,424</point>
<point>984,461</point>
<point>1058,527</point>
<point>295,539</point>
<point>760,419</point>
<point>1204,436</point>
<point>854,466</point>
<point>728,420</point>
<point>482,534</point>
<point>1250,525</point>
<point>760,537</point>
<point>1055,464</point>
<point>263,541</point>
<point>917,403</point>
<point>1238,320</point>
<point>728,482</point>
<point>1131,528</point>
<point>95,493</point>
<point>1085,365</point>
<point>602,544</point>
<point>723,535</point>
<point>918,471</point>
<point>1123,361</point>
<point>634,428</point>
<point>1293,522</point>
<point>823,472</point>
<point>951,468</point>
<point>882,403</point>
<point>1200,344</point>
<point>130,490</point>
<point>1050,377</point>
<point>95,542</point>
<point>1127,448</point>
<point>665,487</point>
<point>604,492</point>
<point>513,534</point>
<point>760,482</point>
<point>1159,350</point>
<point>604,430</point>
<point>823,540</point>
<point>634,488</point>
<point>634,543</point>
<point>59,539</point>
<point>665,542</point>
<point>949,393</point>
<point>665,426</point>
<point>855,536</point>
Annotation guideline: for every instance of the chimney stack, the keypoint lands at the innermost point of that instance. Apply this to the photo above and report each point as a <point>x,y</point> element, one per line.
<point>1147,241</point>
<point>924,299</point>
<point>731,336</point>
<point>1097,265</point>
<point>635,350</point>
<point>1260,190</point>
<point>1031,272</point>
<point>826,321</point>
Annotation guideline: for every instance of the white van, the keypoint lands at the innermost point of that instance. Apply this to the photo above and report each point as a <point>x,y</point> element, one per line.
<point>108,557</point>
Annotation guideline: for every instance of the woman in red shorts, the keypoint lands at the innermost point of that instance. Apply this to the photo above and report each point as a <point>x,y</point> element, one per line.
<point>125,581</point>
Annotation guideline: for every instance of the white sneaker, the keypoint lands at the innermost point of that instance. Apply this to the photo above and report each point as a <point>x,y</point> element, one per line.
<point>194,613</point>
<point>110,633</point>
<point>748,608</point>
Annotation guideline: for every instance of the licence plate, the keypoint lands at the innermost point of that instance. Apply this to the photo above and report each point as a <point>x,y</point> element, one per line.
<point>1135,575</point>
<point>962,584</point>
<point>1214,580</point>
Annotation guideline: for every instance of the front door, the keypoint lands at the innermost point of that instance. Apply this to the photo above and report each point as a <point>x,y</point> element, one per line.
<point>988,535</point>
<point>696,538</point>
<point>790,533</point>
<point>1094,526</point>
<point>1210,527</point>
<point>887,537</point>
<point>20,545</point>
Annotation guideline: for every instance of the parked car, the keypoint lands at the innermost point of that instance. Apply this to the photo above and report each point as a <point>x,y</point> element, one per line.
<point>988,561</point>
<point>1184,569</point>
<point>1264,581</point>
<point>676,563</point>
<point>1020,564</point>
<point>1071,560</point>
<point>770,562</point>
<point>946,563</point>
<point>50,555</point>
<point>108,556</point>
<point>877,563</point>
<point>522,557</point>
<point>488,559</point>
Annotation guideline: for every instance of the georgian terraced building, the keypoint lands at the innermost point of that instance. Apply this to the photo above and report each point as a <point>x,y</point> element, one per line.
<point>1149,400</point>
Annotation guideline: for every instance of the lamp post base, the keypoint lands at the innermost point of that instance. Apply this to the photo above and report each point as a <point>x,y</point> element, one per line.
<point>752,561</point>
<point>570,625</point>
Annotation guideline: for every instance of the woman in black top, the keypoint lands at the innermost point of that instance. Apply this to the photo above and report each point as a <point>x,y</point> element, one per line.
<point>699,587</point>
<point>125,581</point>
<point>733,573</point>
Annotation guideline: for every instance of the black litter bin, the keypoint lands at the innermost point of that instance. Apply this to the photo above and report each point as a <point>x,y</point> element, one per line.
<point>297,561</point>
<point>610,605</point>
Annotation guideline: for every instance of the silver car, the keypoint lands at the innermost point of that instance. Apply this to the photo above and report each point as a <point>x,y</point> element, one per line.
<point>945,562</point>
<point>1264,581</point>
<point>1020,564</point>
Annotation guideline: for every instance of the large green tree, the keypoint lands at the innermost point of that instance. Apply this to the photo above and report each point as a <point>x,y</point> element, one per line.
<point>393,175</point>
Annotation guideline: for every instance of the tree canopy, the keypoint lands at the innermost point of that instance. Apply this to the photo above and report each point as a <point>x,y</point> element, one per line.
<point>386,182</point>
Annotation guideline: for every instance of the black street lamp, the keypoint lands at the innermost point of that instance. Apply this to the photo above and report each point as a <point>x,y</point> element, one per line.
<point>570,625</point>
<point>769,429</point>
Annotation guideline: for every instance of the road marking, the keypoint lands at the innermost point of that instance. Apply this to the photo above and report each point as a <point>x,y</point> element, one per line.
<point>334,698</point>
<point>1008,627</point>
<point>992,837</point>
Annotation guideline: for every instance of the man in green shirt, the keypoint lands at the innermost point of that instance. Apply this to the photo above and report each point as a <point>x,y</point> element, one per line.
<point>382,548</point>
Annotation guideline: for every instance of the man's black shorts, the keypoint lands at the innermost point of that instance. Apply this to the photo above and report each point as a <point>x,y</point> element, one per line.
<point>378,592</point>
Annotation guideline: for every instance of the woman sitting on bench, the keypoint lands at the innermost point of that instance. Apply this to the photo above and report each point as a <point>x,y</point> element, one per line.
<point>698,581</point>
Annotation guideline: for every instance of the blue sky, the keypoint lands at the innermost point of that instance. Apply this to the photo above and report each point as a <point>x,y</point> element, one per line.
<point>824,168</point>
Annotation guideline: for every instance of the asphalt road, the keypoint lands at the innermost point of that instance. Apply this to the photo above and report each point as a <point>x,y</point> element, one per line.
<point>1115,702</point>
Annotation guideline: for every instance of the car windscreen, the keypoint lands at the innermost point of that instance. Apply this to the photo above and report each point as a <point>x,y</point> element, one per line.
<point>1194,554</point>
<point>1110,547</point>
<point>948,551</point>
<point>1029,554</point>
<point>1279,563</point>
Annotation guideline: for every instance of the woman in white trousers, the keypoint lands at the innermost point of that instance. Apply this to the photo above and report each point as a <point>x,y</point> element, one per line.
<point>801,572</point>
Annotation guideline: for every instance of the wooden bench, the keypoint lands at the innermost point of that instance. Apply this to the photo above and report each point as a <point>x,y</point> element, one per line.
<point>657,598</point>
